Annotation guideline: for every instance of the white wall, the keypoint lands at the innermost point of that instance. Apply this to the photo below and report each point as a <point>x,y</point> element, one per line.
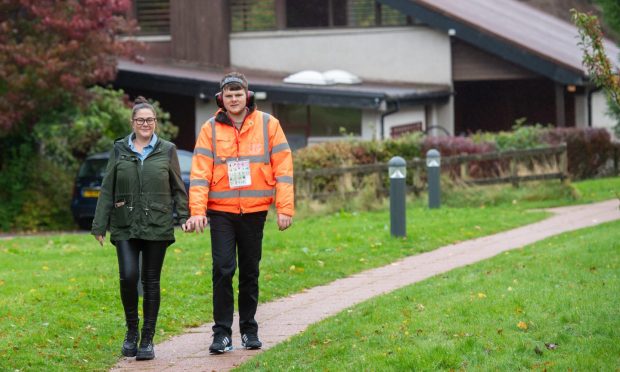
<point>445,116</point>
<point>371,121</point>
<point>404,54</point>
<point>599,112</point>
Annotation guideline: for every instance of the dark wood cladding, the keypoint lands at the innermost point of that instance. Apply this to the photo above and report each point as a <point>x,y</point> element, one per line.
<point>200,30</point>
<point>472,64</point>
<point>492,106</point>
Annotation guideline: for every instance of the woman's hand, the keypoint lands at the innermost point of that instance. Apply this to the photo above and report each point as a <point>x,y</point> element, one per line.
<point>195,223</point>
<point>99,239</point>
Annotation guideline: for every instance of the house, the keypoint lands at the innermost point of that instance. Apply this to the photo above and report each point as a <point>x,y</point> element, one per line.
<point>444,66</point>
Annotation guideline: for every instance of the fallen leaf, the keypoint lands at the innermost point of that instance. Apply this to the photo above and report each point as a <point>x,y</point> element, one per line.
<point>522,325</point>
<point>551,346</point>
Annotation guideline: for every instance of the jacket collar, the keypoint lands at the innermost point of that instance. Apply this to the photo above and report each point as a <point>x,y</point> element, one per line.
<point>124,142</point>
<point>221,116</point>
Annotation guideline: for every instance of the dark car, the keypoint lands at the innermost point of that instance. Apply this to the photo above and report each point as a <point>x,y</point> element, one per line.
<point>88,185</point>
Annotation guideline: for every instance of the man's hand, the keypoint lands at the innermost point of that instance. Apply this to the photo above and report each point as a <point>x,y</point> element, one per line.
<point>195,223</point>
<point>284,221</point>
<point>99,239</point>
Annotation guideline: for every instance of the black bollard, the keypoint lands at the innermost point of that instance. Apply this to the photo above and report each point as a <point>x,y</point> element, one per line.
<point>398,173</point>
<point>433,170</point>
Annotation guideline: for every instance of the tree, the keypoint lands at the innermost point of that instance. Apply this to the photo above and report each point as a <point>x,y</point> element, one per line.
<point>595,60</point>
<point>51,51</point>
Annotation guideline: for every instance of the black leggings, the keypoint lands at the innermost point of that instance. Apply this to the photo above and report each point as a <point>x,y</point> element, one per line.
<point>153,253</point>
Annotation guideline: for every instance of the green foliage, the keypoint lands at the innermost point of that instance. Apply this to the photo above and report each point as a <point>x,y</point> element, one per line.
<point>67,137</point>
<point>521,137</point>
<point>48,158</point>
<point>26,202</point>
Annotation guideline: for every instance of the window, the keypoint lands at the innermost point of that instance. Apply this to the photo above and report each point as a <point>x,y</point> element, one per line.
<point>316,13</point>
<point>252,15</point>
<point>153,16</point>
<point>319,121</point>
<point>261,15</point>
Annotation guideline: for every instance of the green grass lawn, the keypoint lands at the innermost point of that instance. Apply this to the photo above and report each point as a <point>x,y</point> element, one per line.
<point>59,301</point>
<point>550,306</point>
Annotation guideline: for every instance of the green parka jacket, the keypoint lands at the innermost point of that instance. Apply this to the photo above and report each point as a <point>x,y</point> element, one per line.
<point>137,198</point>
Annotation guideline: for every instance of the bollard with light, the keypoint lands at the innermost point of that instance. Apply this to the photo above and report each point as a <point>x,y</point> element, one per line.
<point>433,168</point>
<point>397,170</point>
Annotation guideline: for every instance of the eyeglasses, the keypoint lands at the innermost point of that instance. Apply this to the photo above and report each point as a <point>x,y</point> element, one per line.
<point>148,121</point>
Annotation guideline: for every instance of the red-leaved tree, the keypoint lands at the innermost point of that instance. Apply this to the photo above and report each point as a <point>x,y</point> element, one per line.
<point>51,51</point>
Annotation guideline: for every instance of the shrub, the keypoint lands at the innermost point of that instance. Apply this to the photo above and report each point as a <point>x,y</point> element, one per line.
<point>588,149</point>
<point>47,158</point>
<point>67,137</point>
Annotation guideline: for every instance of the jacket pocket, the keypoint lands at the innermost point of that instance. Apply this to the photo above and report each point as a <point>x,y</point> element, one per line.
<point>224,147</point>
<point>121,215</point>
<point>268,175</point>
<point>218,175</point>
<point>160,214</point>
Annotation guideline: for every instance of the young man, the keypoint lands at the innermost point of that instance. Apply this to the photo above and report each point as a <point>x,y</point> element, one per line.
<point>242,162</point>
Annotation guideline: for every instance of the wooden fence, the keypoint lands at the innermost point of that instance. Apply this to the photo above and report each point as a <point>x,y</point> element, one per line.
<point>513,167</point>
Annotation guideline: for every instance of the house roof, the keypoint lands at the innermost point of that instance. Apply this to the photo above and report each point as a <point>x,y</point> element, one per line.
<point>200,82</point>
<point>511,30</point>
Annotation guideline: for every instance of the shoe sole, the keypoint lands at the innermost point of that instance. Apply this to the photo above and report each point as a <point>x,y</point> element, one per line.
<point>217,352</point>
<point>145,357</point>
<point>251,347</point>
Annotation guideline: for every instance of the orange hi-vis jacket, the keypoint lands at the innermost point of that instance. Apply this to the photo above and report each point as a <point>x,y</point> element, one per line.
<point>262,142</point>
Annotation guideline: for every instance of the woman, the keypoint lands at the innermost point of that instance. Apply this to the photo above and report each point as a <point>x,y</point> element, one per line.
<point>142,181</point>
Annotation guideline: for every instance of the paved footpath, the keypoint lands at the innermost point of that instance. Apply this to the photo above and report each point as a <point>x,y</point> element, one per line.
<point>283,318</point>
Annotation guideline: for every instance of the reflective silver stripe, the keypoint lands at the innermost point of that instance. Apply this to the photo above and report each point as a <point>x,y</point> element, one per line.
<point>267,158</point>
<point>280,147</point>
<point>240,194</point>
<point>198,183</point>
<point>212,121</point>
<point>252,159</point>
<point>203,151</point>
<point>285,179</point>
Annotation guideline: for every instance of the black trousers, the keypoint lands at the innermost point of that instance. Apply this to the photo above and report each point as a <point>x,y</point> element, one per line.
<point>153,253</point>
<point>232,236</point>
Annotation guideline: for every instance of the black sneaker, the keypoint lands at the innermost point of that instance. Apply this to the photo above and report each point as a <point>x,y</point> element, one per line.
<point>220,344</point>
<point>251,341</point>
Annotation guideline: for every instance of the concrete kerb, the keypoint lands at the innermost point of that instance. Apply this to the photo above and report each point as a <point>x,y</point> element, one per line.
<point>283,318</point>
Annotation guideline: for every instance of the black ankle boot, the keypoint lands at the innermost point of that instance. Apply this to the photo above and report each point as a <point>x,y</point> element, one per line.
<point>146,351</point>
<point>130,344</point>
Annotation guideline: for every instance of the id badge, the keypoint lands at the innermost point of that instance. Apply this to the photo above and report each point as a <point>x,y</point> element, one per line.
<point>239,173</point>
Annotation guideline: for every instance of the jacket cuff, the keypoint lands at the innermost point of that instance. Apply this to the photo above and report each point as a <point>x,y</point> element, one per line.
<point>287,211</point>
